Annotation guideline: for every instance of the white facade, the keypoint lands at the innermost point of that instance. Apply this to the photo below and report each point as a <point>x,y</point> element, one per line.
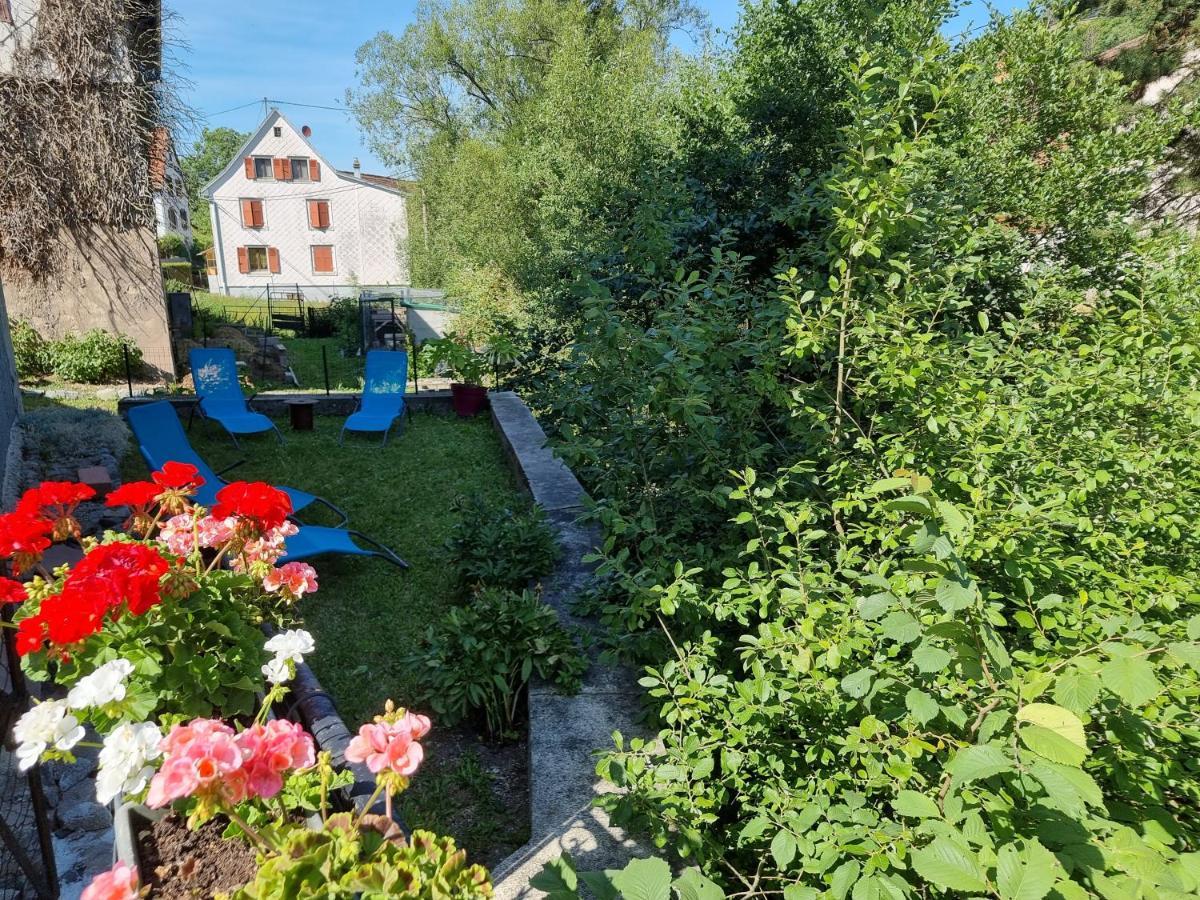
<point>357,234</point>
<point>171,212</point>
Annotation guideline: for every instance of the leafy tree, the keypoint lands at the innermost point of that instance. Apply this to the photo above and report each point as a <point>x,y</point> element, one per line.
<point>210,153</point>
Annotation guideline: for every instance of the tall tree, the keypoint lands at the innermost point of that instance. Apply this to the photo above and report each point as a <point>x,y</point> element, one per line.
<point>211,153</point>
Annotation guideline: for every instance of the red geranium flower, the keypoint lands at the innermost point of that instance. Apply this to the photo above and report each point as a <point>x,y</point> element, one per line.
<point>31,635</point>
<point>56,502</point>
<point>266,506</point>
<point>121,573</point>
<point>136,494</point>
<point>73,615</point>
<point>12,591</point>
<point>24,539</point>
<point>178,476</point>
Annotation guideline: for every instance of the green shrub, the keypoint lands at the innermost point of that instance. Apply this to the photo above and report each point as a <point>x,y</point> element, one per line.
<point>171,245</point>
<point>500,547</point>
<point>30,350</point>
<point>95,357</point>
<point>180,272</point>
<point>481,655</point>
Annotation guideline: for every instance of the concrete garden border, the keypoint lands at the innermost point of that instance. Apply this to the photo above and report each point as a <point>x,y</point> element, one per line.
<point>564,732</point>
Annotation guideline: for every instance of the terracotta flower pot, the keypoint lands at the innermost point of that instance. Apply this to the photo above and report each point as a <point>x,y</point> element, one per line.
<point>468,399</point>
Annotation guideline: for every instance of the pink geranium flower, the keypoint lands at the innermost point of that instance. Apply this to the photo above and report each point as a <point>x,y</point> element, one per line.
<point>390,746</point>
<point>119,883</point>
<point>268,751</point>
<point>295,579</point>
<point>178,533</point>
<point>215,532</point>
<point>202,758</point>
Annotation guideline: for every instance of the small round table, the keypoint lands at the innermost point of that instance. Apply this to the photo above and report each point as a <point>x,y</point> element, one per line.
<point>301,414</point>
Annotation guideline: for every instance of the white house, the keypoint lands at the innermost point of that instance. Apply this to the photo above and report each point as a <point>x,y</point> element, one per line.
<point>283,218</point>
<point>171,212</point>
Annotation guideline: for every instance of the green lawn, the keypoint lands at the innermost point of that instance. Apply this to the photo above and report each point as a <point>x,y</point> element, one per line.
<point>367,614</point>
<point>304,355</point>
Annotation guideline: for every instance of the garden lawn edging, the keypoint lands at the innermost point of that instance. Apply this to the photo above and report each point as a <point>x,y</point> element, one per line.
<point>564,732</point>
<point>275,404</point>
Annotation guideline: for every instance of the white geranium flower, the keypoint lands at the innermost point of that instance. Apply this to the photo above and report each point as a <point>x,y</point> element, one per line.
<point>291,645</point>
<point>277,670</point>
<point>124,760</point>
<point>105,685</point>
<point>46,725</point>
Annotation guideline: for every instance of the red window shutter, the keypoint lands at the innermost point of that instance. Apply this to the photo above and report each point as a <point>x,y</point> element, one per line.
<point>314,170</point>
<point>322,255</point>
<point>314,214</point>
<point>250,168</point>
<point>248,213</point>
<point>280,166</point>
<point>323,211</point>
<point>243,260</point>
<point>273,259</point>
<point>258,213</point>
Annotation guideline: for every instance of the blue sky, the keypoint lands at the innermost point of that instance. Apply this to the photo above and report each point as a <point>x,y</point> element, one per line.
<point>234,53</point>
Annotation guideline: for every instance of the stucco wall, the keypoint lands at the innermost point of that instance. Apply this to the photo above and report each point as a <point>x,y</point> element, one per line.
<point>367,224</point>
<point>105,279</point>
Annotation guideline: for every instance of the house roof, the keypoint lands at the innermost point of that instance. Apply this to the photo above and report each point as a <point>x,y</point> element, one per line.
<point>386,181</point>
<point>382,182</point>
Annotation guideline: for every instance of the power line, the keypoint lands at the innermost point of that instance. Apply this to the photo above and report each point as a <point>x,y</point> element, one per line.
<point>268,100</point>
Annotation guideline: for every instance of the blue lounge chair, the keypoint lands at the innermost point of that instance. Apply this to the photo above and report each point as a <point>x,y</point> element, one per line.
<point>160,437</point>
<point>383,393</point>
<point>214,372</point>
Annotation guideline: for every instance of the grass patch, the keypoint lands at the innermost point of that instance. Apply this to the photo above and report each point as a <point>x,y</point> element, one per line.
<point>304,355</point>
<point>367,613</point>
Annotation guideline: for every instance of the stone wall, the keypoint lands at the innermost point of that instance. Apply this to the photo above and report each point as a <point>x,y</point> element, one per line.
<point>104,279</point>
<point>10,391</point>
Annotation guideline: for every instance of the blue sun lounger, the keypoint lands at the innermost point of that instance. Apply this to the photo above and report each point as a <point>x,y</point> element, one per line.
<point>214,372</point>
<point>383,393</point>
<point>161,438</point>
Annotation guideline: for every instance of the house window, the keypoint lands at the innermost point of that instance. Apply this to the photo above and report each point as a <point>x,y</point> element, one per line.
<point>252,213</point>
<point>322,258</point>
<point>318,213</point>
<point>299,168</point>
<point>262,167</point>
<point>257,258</point>
<point>171,218</point>
<point>277,131</point>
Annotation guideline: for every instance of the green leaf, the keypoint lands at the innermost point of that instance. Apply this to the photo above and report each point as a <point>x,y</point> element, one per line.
<point>557,879</point>
<point>800,892</point>
<point>876,605</point>
<point>1066,787</point>
<point>1052,745</point>
<point>922,706</point>
<point>1057,719</point>
<point>978,761</point>
<point>916,805</point>
<point>692,885</point>
<point>928,658</point>
<point>643,879</point>
<point>858,683</point>
<point>1024,875</point>
<point>900,627</point>
<point>1131,678</point>
<point>600,885</point>
<point>953,594</point>
<point>911,504</point>
<point>1076,690</point>
<point>949,866</point>
<point>783,848</point>
<point>843,879</point>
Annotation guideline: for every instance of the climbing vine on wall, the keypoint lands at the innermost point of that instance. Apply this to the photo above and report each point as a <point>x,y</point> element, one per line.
<point>77,107</point>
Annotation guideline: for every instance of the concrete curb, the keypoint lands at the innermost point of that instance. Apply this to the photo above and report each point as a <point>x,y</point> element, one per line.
<point>564,732</point>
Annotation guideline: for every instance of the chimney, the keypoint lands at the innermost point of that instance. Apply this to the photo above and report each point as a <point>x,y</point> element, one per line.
<point>357,168</point>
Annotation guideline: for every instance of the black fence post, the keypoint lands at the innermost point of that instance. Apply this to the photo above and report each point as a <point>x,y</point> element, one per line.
<point>325,366</point>
<point>128,368</point>
<point>416,359</point>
